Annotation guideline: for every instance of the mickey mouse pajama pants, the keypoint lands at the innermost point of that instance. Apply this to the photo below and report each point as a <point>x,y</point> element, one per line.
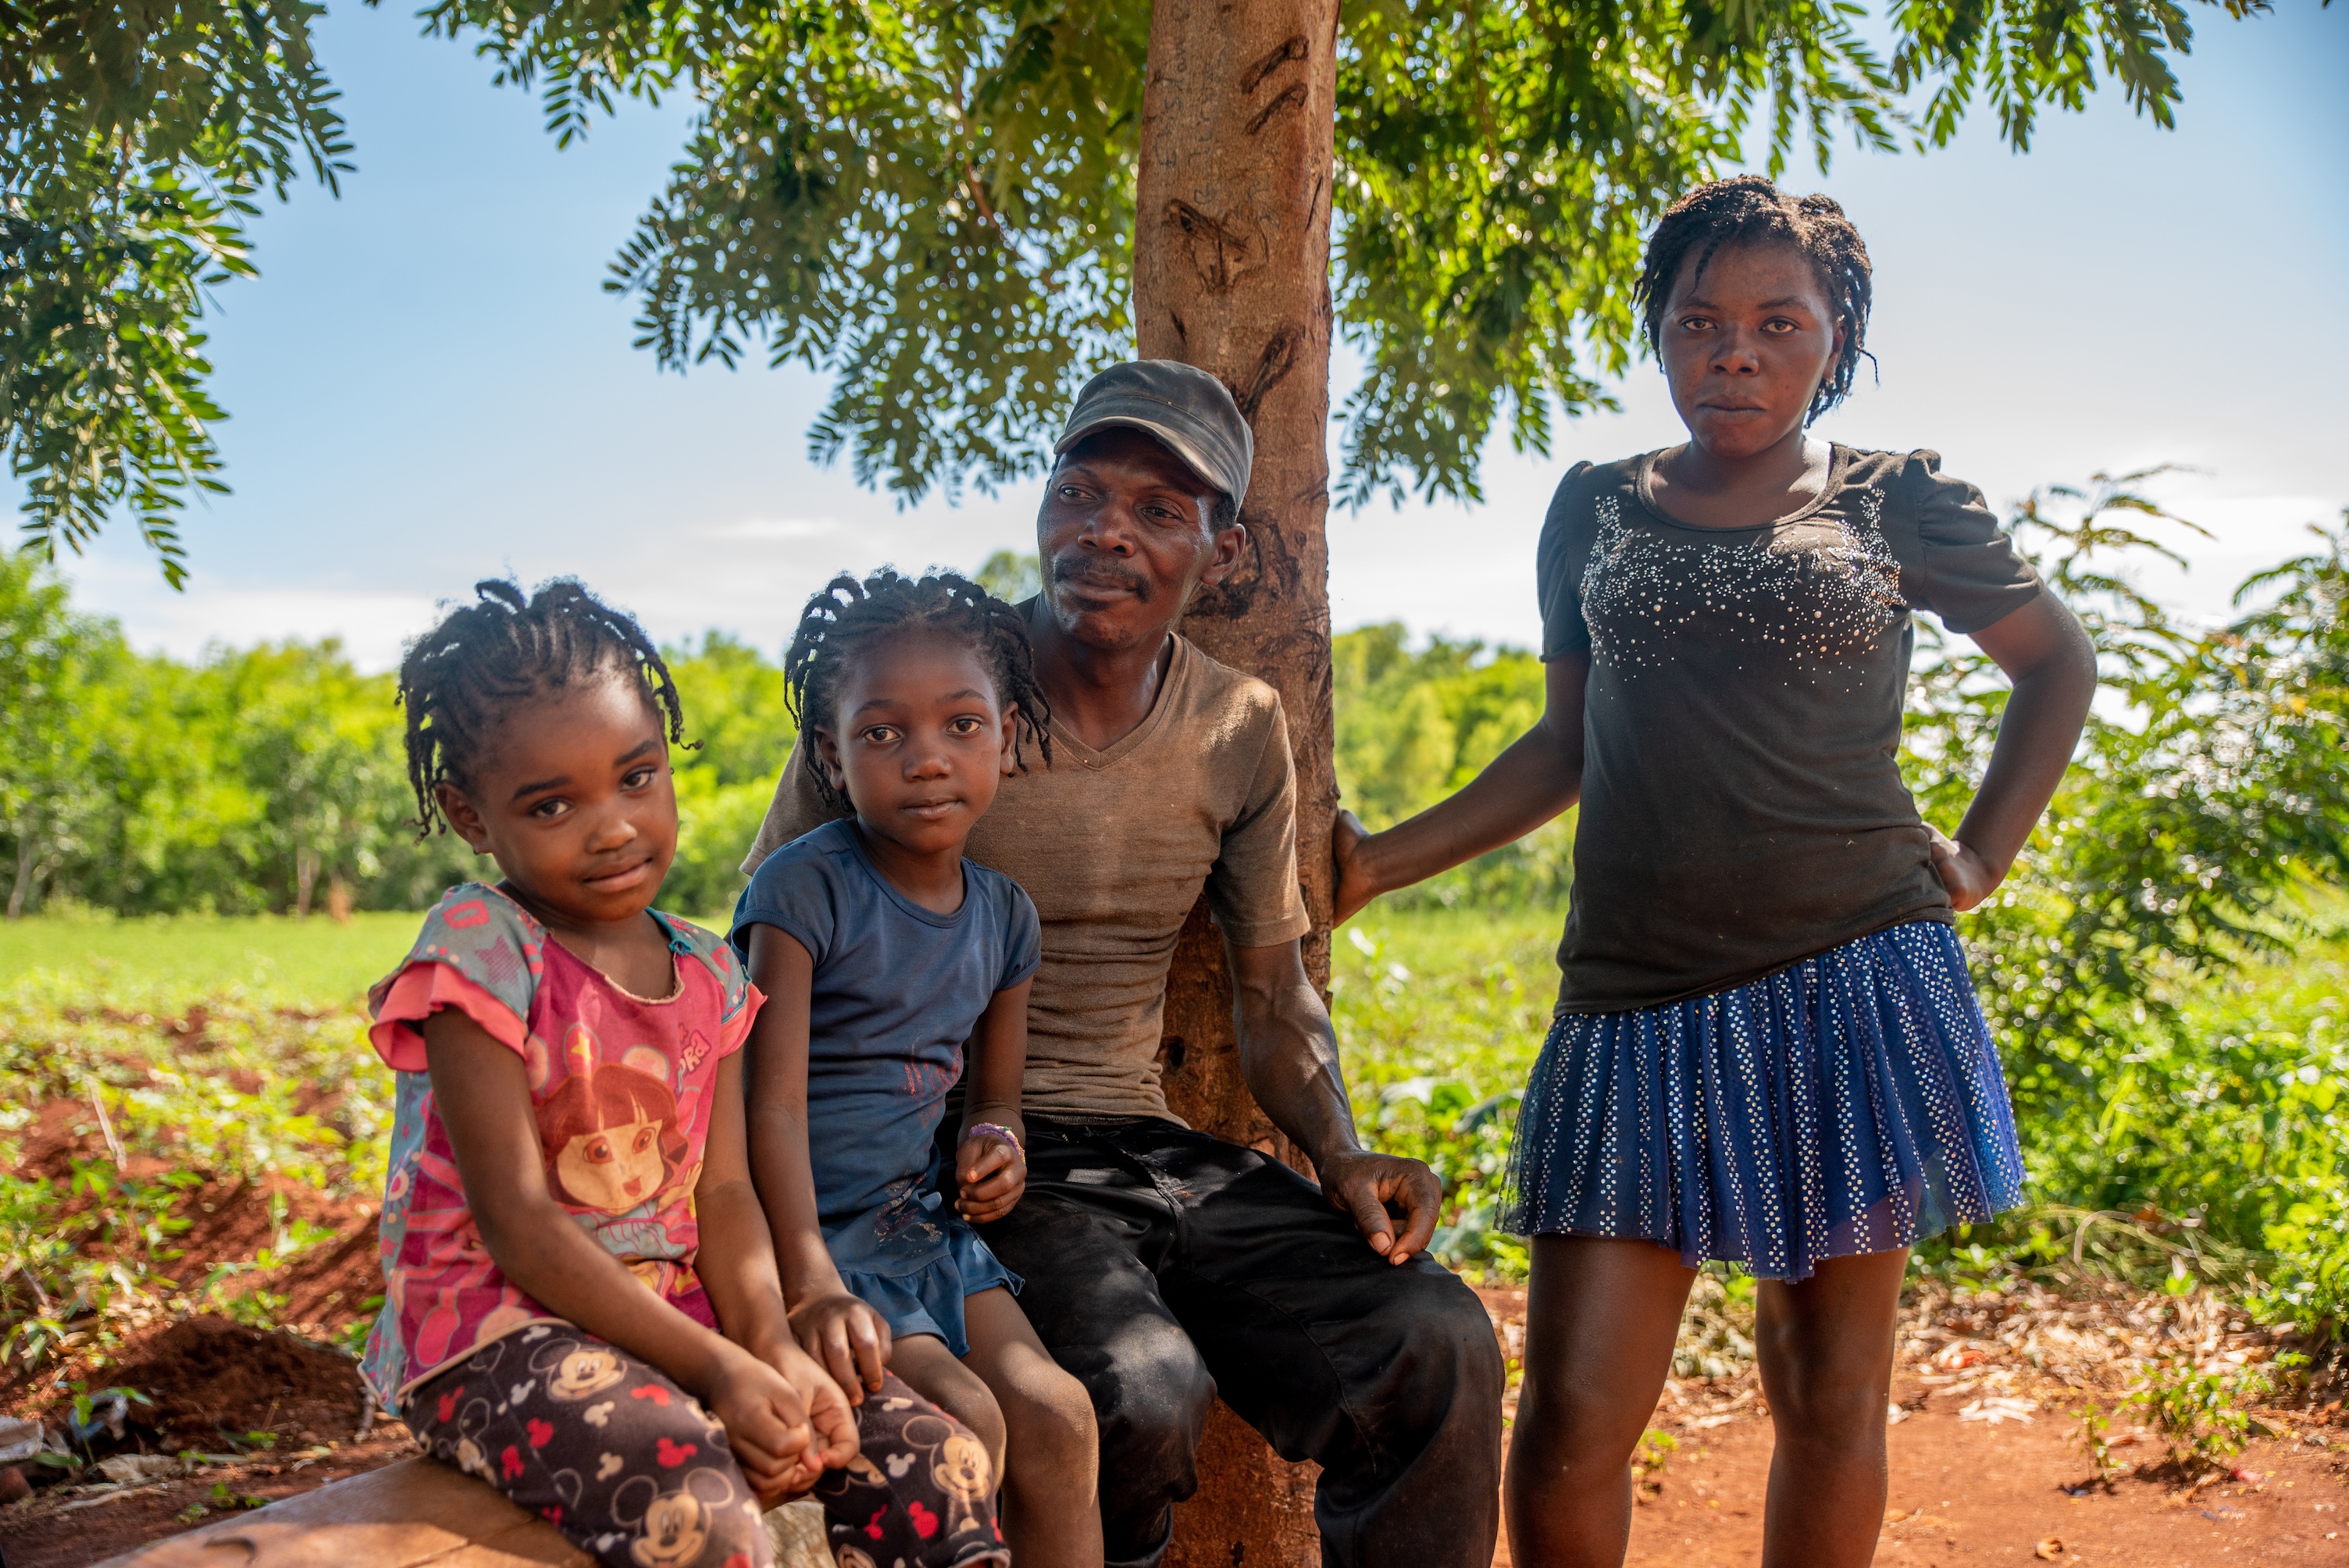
<point>637,1474</point>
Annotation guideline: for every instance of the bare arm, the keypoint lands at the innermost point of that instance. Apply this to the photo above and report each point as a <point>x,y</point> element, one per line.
<point>2046,653</point>
<point>1539,776</point>
<point>847,1337</point>
<point>990,1175</point>
<point>1289,1055</point>
<point>736,1265</point>
<point>483,1094</point>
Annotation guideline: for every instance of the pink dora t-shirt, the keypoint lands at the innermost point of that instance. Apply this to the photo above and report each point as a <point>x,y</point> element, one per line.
<point>620,1087</point>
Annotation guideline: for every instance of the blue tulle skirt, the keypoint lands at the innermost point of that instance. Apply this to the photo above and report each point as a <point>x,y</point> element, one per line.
<point>1850,1103</point>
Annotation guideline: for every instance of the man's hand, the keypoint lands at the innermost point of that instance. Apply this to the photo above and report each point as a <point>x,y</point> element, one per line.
<point>1352,889</point>
<point>1967,877</point>
<point>1366,1185</point>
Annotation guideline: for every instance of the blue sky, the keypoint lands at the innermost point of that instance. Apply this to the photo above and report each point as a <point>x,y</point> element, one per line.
<point>428,385</point>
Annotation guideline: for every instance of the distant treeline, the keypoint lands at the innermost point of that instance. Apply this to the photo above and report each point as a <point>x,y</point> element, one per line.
<point>272,778</point>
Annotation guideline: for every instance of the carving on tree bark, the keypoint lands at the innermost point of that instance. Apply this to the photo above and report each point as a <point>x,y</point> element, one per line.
<point>1279,359</point>
<point>1227,252</point>
<point>1293,99</point>
<point>1293,48</point>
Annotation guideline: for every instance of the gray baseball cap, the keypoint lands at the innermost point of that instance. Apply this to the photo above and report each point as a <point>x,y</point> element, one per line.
<point>1187,411</point>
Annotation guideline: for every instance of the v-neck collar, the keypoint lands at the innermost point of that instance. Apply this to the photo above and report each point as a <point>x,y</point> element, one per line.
<point>1178,671</point>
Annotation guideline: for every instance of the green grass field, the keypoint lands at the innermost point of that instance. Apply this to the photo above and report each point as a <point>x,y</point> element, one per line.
<point>312,960</point>
<point>1439,1014</point>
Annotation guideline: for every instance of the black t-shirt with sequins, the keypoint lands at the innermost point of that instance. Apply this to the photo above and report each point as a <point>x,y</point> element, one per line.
<point>1742,809</point>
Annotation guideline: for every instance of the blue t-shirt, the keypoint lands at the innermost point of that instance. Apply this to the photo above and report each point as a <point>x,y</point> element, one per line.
<point>898,990</point>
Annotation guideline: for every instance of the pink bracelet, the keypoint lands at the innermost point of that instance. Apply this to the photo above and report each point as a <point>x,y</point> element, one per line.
<point>996,1129</point>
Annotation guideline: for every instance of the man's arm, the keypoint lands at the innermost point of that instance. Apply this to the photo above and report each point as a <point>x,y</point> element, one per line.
<point>1288,1053</point>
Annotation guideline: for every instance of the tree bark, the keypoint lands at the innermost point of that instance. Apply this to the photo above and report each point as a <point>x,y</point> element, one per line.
<point>1232,275</point>
<point>28,869</point>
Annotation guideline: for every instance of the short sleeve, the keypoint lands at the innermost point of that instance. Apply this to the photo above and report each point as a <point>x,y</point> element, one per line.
<point>1968,572</point>
<point>1252,887</point>
<point>794,894</point>
<point>737,1000</point>
<point>1558,574</point>
<point>798,810</point>
<point>478,953</point>
<point>1023,936</point>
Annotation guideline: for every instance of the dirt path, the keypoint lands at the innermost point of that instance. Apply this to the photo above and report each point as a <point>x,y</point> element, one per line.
<point>1964,1490</point>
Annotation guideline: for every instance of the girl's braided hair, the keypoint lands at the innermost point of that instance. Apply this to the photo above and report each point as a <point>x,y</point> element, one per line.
<point>1748,210</point>
<point>460,677</point>
<point>852,616</point>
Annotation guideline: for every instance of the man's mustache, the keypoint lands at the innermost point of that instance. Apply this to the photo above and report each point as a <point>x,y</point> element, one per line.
<point>1096,573</point>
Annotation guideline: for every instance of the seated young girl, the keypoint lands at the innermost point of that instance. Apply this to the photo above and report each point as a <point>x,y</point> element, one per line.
<point>884,950</point>
<point>581,1305</point>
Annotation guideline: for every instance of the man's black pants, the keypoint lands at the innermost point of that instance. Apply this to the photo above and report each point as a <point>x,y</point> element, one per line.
<point>1164,1267</point>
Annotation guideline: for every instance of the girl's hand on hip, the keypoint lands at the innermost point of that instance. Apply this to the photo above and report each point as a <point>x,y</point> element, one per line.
<point>1966,876</point>
<point>990,1176</point>
<point>847,1338</point>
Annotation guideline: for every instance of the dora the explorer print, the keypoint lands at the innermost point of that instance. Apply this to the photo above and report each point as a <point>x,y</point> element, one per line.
<point>619,1085</point>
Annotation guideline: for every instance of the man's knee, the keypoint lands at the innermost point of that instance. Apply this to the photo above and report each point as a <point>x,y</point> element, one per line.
<point>1445,1350</point>
<point>1150,1393</point>
<point>1150,1398</point>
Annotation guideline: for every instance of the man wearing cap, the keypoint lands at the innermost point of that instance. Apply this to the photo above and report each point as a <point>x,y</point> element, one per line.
<point>1162,1266</point>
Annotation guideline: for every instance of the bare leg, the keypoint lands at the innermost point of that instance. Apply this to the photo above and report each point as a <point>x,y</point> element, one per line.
<point>930,1370</point>
<point>1600,1319</point>
<point>1826,1348</point>
<point>1051,1511</point>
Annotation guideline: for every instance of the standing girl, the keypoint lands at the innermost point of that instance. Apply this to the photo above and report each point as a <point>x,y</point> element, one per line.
<point>884,951</point>
<point>1767,1051</point>
<point>581,1306</point>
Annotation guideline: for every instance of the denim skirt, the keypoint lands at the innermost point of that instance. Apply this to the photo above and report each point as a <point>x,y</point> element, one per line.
<point>1849,1103</point>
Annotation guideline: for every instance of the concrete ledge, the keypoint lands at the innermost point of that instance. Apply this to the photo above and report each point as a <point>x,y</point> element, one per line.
<point>412,1514</point>
<point>402,1516</point>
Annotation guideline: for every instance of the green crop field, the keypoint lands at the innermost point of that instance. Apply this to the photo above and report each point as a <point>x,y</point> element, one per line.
<point>315,959</point>
<point>228,1048</point>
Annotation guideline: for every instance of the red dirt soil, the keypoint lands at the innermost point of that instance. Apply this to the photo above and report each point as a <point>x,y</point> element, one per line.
<point>1965,1491</point>
<point>1962,1491</point>
<point>214,1385</point>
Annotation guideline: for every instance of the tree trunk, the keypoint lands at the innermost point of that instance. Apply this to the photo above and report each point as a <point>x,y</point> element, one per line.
<point>305,881</point>
<point>28,871</point>
<point>1232,275</point>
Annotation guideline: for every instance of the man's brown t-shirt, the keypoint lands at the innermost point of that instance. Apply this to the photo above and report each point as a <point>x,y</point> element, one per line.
<point>1115,848</point>
<point>1742,807</point>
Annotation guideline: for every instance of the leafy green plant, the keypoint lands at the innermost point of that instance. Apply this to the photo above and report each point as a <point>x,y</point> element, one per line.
<point>223,1497</point>
<point>1654,1452</point>
<point>2096,1442</point>
<point>2198,1409</point>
